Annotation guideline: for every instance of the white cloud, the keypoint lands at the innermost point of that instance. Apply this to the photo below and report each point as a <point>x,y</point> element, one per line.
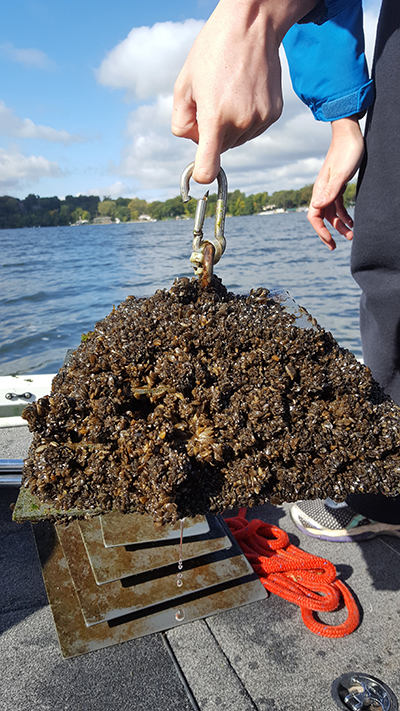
<point>153,156</point>
<point>148,61</point>
<point>13,126</point>
<point>372,6</point>
<point>17,170</point>
<point>291,175</point>
<point>370,24</point>
<point>29,56</point>
<point>114,191</point>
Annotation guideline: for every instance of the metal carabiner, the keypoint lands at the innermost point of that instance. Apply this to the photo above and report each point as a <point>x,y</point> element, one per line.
<point>206,252</point>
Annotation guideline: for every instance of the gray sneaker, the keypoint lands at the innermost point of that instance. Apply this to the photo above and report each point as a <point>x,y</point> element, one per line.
<point>337,522</point>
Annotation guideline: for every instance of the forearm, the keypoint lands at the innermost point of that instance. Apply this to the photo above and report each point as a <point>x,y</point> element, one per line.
<point>347,127</point>
<point>342,161</point>
<point>276,16</point>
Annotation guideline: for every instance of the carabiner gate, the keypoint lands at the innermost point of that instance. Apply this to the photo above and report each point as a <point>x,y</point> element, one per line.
<point>206,252</point>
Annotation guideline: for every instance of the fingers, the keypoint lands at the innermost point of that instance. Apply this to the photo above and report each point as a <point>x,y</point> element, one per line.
<point>216,137</point>
<point>340,165</point>
<point>184,119</point>
<point>254,131</point>
<point>343,214</point>
<point>315,218</point>
<point>185,124</point>
<point>337,216</point>
<point>320,201</point>
<point>207,160</point>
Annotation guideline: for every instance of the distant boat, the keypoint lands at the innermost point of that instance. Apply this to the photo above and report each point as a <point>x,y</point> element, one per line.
<point>80,222</point>
<point>281,210</point>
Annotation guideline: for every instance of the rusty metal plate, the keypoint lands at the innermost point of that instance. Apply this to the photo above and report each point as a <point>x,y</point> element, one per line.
<point>106,602</point>
<point>124,529</point>
<point>118,529</point>
<point>76,638</point>
<point>29,508</point>
<point>118,562</point>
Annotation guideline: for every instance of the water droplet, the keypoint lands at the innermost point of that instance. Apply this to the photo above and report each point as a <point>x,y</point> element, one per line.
<point>180,561</point>
<point>180,614</point>
<point>182,523</point>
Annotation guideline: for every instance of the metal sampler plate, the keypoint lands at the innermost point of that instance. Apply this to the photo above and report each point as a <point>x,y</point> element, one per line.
<point>124,529</point>
<point>29,508</point>
<point>118,562</point>
<point>76,638</point>
<point>100,603</point>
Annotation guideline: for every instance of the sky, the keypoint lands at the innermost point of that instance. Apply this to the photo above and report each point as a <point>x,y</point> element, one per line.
<point>86,98</point>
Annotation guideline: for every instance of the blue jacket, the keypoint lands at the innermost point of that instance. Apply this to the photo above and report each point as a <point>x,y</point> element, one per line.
<point>325,52</point>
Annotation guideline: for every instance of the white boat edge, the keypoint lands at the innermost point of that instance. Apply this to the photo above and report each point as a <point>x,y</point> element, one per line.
<point>18,391</point>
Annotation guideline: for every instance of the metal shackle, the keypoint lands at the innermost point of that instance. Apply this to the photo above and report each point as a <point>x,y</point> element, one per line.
<point>218,241</point>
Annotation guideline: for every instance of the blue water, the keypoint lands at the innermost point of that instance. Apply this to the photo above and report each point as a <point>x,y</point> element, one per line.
<point>57,282</point>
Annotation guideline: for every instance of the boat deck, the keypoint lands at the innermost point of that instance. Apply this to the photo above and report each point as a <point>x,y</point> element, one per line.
<point>257,657</point>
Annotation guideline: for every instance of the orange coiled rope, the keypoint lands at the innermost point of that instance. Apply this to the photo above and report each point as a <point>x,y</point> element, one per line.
<point>297,576</point>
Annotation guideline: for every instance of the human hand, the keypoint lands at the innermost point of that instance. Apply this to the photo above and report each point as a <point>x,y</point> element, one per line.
<point>229,90</point>
<point>341,163</point>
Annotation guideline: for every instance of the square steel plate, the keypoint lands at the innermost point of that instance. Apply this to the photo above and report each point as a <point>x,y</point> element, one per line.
<point>121,561</point>
<point>76,638</point>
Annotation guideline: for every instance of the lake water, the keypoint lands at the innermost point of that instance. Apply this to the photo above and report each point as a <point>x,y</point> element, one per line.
<point>56,283</point>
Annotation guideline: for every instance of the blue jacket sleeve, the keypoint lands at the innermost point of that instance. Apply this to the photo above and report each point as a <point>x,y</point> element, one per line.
<point>327,62</point>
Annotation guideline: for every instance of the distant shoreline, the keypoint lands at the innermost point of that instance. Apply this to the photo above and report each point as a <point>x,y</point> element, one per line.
<point>35,211</point>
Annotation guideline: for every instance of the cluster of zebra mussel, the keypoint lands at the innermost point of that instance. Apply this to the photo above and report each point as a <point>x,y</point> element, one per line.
<point>197,400</point>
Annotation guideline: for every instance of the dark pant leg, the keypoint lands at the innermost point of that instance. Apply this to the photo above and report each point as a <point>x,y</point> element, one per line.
<point>378,507</point>
<point>375,260</point>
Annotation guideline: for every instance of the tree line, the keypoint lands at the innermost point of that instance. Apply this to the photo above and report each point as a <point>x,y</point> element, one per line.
<point>35,211</point>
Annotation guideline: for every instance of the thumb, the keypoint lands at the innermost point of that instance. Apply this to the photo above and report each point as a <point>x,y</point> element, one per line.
<point>326,194</point>
<point>183,120</point>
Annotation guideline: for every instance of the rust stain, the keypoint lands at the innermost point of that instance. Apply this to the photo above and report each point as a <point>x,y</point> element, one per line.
<point>118,562</point>
<point>121,529</point>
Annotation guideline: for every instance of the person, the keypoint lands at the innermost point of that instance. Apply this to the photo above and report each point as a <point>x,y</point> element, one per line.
<point>229,91</point>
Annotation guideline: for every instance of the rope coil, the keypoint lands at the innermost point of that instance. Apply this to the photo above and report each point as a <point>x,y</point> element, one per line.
<point>299,577</point>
